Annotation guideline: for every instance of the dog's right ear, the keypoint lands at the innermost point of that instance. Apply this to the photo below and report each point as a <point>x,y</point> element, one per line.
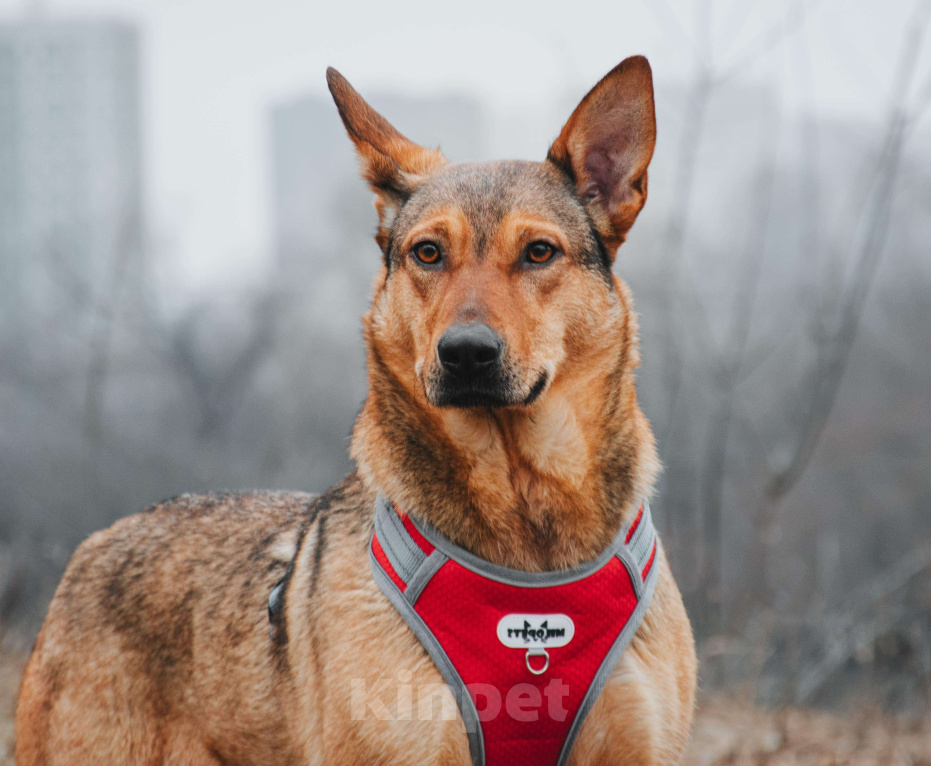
<point>393,165</point>
<point>606,146</point>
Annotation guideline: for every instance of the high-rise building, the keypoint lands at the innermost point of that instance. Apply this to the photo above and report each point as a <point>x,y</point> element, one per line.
<point>70,165</point>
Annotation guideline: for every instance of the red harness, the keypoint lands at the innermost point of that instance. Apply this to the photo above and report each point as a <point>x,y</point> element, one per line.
<point>525,654</point>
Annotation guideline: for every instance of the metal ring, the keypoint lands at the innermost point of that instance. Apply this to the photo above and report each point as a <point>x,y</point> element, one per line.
<point>537,653</point>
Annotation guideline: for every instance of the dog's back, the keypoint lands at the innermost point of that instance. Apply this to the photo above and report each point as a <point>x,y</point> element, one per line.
<point>153,619</point>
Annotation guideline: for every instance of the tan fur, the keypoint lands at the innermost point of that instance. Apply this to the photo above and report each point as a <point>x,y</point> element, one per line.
<point>157,648</point>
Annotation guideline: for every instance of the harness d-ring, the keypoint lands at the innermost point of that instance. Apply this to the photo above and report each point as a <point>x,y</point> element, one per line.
<point>537,653</point>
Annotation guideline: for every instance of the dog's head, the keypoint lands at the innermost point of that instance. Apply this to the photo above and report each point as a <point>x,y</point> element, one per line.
<point>497,276</point>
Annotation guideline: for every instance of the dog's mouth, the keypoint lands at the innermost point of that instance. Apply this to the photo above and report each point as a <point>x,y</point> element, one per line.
<point>502,390</point>
<point>536,389</point>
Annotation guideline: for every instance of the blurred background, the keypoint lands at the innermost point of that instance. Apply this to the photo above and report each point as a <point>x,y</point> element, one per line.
<point>186,250</point>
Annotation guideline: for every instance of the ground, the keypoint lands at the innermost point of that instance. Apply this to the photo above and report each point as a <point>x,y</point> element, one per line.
<point>727,733</point>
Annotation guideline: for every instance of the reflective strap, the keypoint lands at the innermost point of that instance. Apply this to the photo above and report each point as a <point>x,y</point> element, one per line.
<point>404,554</point>
<point>407,557</point>
<point>644,538</point>
<point>460,693</point>
<point>423,575</point>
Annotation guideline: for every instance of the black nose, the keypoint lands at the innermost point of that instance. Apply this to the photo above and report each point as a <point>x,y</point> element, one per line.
<point>469,350</point>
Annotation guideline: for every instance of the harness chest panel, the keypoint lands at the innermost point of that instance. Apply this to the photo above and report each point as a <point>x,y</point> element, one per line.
<point>525,654</point>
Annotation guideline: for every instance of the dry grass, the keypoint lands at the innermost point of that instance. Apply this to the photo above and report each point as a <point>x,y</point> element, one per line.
<point>727,733</point>
<point>733,734</point>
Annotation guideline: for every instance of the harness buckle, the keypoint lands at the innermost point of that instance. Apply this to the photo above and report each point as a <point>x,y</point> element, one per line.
<point>537,652</point>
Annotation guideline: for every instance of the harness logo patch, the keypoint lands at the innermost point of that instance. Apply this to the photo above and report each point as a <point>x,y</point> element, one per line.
<point>535,631</point>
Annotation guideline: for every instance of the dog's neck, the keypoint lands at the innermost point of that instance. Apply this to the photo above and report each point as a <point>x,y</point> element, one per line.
<point>533,488</point>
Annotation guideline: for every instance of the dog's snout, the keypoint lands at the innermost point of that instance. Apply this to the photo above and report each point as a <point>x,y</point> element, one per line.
<point>469,350</point>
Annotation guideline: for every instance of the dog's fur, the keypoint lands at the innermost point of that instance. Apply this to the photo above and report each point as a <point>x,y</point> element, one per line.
<point>157,648</point>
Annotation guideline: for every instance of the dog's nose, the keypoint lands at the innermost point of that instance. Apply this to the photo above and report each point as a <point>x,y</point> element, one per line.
<point>469,350</point>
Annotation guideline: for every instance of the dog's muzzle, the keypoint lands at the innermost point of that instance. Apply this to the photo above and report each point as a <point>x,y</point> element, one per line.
<point>472,370</point>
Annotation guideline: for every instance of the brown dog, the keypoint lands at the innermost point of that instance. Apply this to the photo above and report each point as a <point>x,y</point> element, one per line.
<point>525,446</point>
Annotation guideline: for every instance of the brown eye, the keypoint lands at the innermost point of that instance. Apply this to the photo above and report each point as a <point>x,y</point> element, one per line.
<point>427,253</point>
<point>540,252</point>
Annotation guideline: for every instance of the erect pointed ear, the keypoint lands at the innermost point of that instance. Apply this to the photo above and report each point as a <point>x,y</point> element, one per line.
<point>393,165</point>
<point>606,146</point>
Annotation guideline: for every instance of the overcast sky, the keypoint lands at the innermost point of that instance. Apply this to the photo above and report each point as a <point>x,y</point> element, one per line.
<point>211,69</point>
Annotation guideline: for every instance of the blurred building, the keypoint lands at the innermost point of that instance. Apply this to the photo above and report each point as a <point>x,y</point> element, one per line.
<point>323,213</point>
<point>70,186</point>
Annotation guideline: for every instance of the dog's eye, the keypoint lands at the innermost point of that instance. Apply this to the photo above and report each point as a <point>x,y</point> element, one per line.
<point>540,252</point>
<point>427,253</point>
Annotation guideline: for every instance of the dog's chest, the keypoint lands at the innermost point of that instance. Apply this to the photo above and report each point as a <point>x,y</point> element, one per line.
<point>414,717</point>
<point>524,657</point>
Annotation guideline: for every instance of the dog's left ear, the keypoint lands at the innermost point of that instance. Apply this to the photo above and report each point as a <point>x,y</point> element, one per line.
<point>393,165</point>
<point>606,146</point>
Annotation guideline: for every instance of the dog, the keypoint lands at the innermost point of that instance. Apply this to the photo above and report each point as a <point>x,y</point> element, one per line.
<point>501,414</point>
